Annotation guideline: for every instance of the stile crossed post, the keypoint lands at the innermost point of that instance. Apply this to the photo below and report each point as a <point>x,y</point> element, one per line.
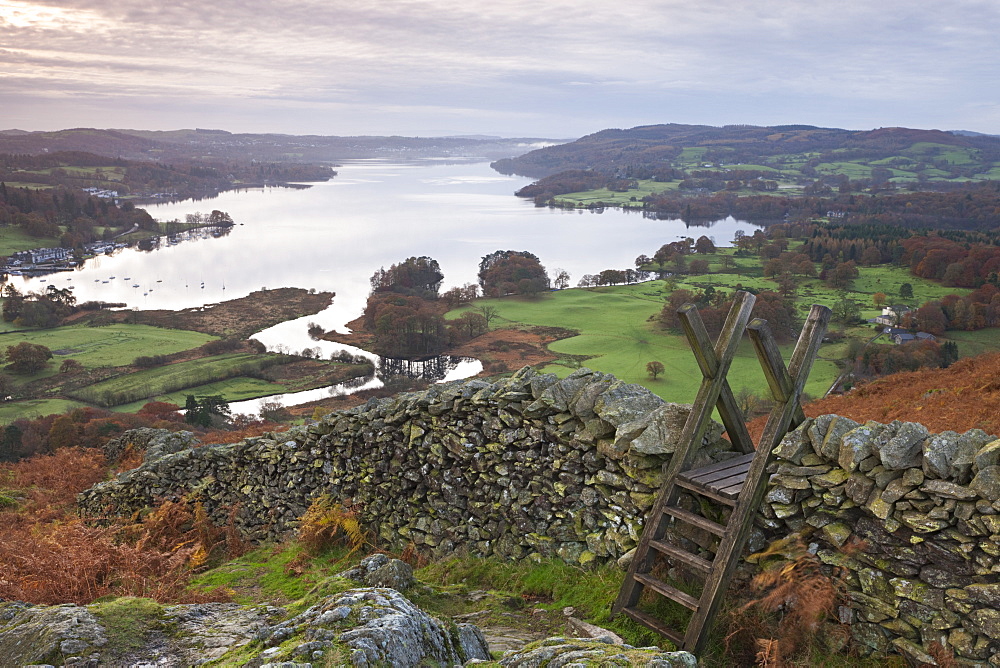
<point>739,483</point>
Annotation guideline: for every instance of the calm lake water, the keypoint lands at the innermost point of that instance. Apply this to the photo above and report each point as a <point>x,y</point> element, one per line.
<point>333,236</point>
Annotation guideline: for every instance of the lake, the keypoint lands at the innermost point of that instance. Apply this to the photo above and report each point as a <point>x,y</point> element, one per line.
<point>334,235</point>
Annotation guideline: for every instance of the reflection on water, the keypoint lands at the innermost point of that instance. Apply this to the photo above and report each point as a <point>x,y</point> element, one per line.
<point>440,369</point>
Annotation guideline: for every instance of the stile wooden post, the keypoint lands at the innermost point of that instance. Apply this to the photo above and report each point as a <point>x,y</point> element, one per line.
<point>740,482</point>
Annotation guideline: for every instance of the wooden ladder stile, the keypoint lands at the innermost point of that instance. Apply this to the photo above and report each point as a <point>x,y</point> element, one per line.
<point>739,483</point>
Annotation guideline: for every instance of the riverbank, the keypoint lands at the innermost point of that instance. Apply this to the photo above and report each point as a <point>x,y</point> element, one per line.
<point>104,351</point>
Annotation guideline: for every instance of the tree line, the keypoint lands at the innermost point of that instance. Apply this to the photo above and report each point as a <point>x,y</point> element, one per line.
<point>405,312</point>
<point>43,213</point>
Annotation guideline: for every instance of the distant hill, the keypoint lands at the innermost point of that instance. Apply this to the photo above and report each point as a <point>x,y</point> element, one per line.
<point>107,143</point>
<point>216,145</point>
<point>643,149</point>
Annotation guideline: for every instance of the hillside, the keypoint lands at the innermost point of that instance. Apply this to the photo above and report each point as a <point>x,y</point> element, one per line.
<point>199,145</point>
<point>964,396</point>
<point>76,170</point>
<point>709,159</point>
<point>646,148</point>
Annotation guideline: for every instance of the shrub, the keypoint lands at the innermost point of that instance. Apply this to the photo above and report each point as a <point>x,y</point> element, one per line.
<point>149,361</point>
<point>328,524</point>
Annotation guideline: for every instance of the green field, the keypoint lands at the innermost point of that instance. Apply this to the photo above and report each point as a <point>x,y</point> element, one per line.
<point>632,198</point>
<point>33,408</point>
<point>142,385</point>
<point>114,345</point>
<point>618,329</point>
<point>618,335</point>
<point>910,165</point>
<point>14,239</point>
<point>232,389</point>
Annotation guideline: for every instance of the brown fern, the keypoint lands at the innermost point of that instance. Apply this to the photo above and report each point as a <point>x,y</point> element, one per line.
<point>793,584</point>
<point>327,524</point>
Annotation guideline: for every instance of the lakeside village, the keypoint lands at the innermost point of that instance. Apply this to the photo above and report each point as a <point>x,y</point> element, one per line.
<point>40,261</point>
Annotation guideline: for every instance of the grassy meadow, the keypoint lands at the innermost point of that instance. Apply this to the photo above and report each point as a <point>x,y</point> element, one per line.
<point>618,329</point>
<point>113,345</point>
<point>142,385</point>
<point>619,333</point>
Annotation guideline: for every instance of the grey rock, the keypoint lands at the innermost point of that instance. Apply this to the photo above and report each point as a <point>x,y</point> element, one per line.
<point>564,652</point>
<point>393,631</point>
<point>625,402</point>
<point>560,394</point>
<point>37,634</point>
<point>857,444</point>
<point>663,430</point>
<point>795,443</point>
<point>155,443</point>
<point>987,483</point>
<point>950,456</point>
<point>988,455</point>
<point>826,432</point>
<point>904,449</point>
<point>380,570</point>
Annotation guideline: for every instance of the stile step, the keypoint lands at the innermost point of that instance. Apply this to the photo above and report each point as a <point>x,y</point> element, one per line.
<point>662,588</point>
<point>695,520</point>
<point>683,556</point>
<point>652,622</point>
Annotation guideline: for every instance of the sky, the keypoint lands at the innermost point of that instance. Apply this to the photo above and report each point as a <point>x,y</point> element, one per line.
<point>516,68</point>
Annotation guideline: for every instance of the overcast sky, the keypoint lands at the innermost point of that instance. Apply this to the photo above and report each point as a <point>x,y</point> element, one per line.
<point>550,68</point>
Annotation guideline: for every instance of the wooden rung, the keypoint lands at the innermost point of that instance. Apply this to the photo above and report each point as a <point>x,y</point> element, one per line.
<point>695,520</point>
<point>711,493</point>
<point>685,557</point>
<point>655,624</point>
<point>662,588</point>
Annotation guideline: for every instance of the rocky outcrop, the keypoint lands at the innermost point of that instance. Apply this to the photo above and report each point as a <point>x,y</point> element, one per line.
<point>529,466</point>
<point>32,634</point>
<point>558,652</point>
<point>359,627</point>
<point>373,627</point>
<point>912,522</point>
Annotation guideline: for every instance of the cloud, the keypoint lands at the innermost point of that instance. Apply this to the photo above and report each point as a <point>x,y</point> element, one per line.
<point>557,64</point>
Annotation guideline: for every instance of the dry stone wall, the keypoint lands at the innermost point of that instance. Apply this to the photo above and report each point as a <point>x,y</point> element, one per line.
<point>533,466</point>
<point>527,466</point>
<point>911,518</point>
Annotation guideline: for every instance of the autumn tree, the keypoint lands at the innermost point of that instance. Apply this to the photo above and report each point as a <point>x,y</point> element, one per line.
<point>418,276</point>
<point>654,369</point>
<point>469,325</point>
<point>63,433</point>
<point>879,299</point>
<point>27,357</point>
<point>70,366</point>
<point>405,325</point>
<point>704,245</point>
<point>509,272</point>
<point>203,411</point>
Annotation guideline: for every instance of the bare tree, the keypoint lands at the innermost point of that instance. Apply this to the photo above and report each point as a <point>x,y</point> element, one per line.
<point>488,312</point>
